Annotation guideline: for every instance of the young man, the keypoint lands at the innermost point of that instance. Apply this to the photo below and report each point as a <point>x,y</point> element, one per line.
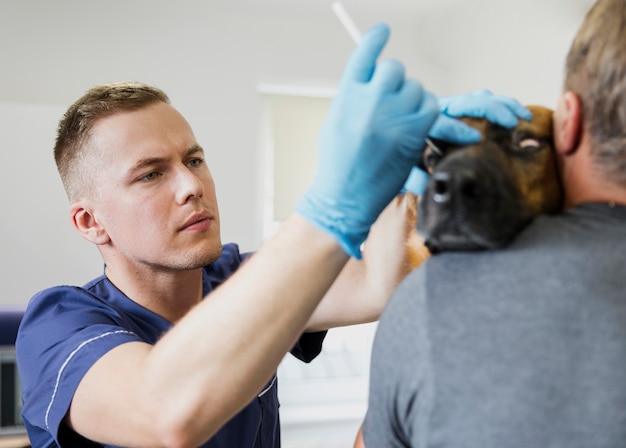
<point>161,350</point>
<point>525,347</point>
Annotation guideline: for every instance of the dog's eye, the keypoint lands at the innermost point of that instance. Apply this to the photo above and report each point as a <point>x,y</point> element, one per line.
<point>529,144</point>
<point>429,159</point>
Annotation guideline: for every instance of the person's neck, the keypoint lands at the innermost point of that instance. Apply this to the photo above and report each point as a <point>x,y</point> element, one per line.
<point>170,294</point>
<point>583,181</point>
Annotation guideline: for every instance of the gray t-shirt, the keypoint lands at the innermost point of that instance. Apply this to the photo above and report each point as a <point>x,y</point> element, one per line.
<point>522,347</point>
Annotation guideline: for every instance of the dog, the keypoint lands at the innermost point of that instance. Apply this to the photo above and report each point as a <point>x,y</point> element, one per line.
<point>479,196</point>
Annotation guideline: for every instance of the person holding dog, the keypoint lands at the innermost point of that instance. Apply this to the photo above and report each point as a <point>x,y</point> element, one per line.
<point>178,342</point>
<point>525,346</point>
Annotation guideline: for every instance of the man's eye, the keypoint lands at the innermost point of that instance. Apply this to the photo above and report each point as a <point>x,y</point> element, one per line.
<point>150,176</point>
<point>196,162</point>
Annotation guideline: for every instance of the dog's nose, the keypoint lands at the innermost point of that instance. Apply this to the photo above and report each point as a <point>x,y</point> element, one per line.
<point>441,187</point>
<point>446,184</point>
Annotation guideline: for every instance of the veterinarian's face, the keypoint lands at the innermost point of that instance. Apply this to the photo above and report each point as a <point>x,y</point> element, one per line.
<point>156,196</point>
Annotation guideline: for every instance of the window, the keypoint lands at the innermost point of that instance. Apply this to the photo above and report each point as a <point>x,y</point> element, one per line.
<point>291,118</point>
<point>333,388</point>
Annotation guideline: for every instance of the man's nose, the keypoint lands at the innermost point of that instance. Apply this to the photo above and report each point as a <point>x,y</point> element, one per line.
<point>188,185</point>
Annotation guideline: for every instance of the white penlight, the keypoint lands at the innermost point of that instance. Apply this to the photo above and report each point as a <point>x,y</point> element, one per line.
<point>346,21</point>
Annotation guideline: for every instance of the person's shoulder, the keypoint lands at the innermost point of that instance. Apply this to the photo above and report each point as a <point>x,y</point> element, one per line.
<point>55,295</point>
<point>62,303</point>
<point>409,297</point>
<point>582,224</point>
<point>59,319</point>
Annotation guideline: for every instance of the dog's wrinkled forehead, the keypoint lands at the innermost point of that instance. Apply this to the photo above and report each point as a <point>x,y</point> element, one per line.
<point>540,126</point>
<point>525,136</point>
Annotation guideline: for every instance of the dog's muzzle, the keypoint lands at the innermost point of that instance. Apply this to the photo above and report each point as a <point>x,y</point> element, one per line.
<point>469,205</point>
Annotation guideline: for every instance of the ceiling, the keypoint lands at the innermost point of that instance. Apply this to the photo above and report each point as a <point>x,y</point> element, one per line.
<point>409,7</point>
<point>41,63</point>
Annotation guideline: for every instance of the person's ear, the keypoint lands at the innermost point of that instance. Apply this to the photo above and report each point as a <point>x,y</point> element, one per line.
<point>87,225</point>
<point>568,123</point>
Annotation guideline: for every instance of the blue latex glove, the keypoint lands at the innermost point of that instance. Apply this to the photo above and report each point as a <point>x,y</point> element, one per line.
<point>416,182</point>
<point>501,110</point>
<point>372,136</point>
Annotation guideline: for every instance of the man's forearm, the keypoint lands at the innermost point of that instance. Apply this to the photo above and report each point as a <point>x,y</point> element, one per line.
<point>230,344</point>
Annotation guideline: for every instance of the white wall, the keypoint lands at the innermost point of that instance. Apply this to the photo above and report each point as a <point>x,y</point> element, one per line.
<point>209,56</point>
<point>38,246</point>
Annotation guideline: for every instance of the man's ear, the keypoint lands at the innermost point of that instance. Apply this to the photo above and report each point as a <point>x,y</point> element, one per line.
<point>568,123</point>
<point>87,225</point>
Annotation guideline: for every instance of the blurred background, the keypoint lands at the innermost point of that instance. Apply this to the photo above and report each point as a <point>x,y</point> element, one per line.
<point>254,79</point>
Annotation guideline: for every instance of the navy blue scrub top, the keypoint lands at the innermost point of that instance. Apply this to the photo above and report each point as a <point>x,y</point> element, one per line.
<point>66,329</point>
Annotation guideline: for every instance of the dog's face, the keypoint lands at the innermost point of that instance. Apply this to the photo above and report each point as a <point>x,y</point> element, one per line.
<point>480,196</point>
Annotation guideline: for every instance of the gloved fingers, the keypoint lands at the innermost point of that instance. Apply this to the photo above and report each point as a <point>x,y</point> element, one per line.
<point>515,106</point>
<point>362,62</point>
<point>423,118</point>
<point>445,101</point>
<point>416,182</point>
<point>494,111</point>
<point>411,95</point>
<point>388,76</point>
<point>502,110</point>
<point>454,131</point>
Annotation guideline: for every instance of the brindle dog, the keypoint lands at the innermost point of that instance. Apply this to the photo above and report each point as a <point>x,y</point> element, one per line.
<point>480,196</point>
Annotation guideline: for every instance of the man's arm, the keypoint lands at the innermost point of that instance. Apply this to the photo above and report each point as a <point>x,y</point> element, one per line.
<point>359,442</point>
<point>180,391</point>
<point>364,286</point>
<point>204,370</point>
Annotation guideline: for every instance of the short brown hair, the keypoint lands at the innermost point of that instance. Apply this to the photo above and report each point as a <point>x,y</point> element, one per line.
<point>596,71</point>
<point>74,129</point>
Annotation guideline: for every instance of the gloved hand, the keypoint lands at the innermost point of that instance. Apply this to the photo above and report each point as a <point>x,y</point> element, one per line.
<point>501,110</point>
<point>372,136</point>
<point>416,182</point>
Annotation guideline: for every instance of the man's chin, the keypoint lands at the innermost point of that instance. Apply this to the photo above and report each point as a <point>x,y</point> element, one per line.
<point>200,258</point>
<point>210,256</point>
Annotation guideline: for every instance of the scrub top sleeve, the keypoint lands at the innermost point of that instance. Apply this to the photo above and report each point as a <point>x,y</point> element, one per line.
<point>63,333</point>
<point>308,346</point>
